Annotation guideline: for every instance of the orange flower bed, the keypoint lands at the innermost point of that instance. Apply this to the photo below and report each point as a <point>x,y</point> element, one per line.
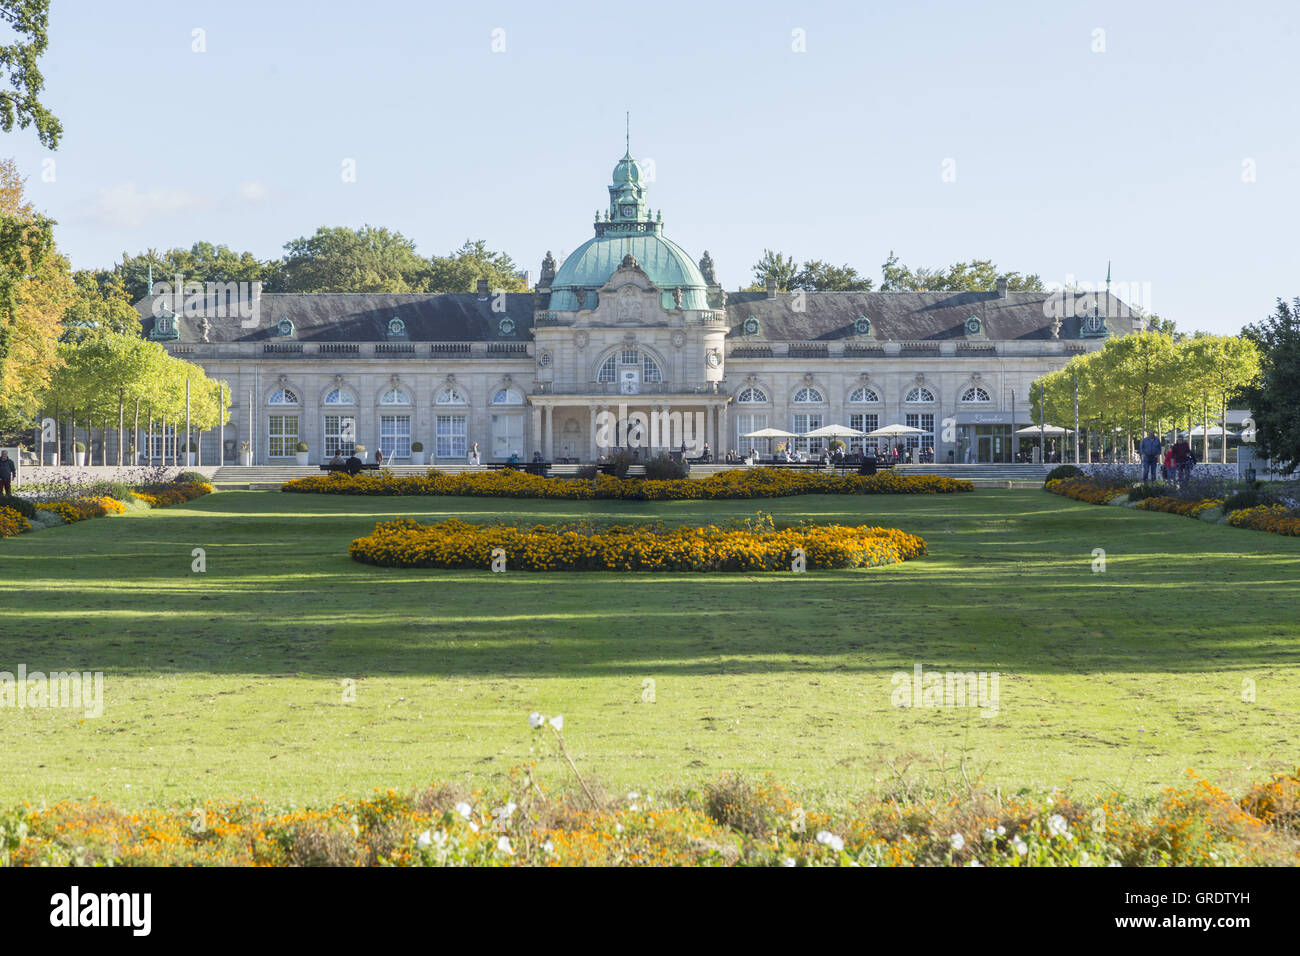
<point>1178,506</point>
<point>1081,489</point>
<point>12,522</point>
<point>1274,518</point>
<point>162,496</point>
<point>457,544</point>
<point>83,509</point>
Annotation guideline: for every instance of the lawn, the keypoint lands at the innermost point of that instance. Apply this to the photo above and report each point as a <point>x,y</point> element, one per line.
<point>231,682</point>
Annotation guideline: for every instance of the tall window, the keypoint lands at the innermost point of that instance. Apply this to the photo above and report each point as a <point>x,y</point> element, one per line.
<point>507,436</point>
<point>629,358</point>
<point>863,423</point>
<point>395,436</point>
<point>340,435</point>
<point>608,371</point>
<point>449,436</point>
<point>975,394</point>
<point>650,369</point>
<point>747,422</point>
<point>926,424</point>
<point>806,422</point>
<point>163,443</point>
<point>281,436</point>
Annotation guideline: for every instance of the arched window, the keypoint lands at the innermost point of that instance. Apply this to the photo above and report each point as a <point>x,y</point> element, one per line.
<point>920,396</point>
<point>395,396</point>
<point>861,396</point>
<point>975,394</point>
<point>751,396</point>
<point>283,396</point>
<point>507,396</point>
<point>450,396</point>
<point>340,396</point>
<point>629,358</point>
<point>808,396</point>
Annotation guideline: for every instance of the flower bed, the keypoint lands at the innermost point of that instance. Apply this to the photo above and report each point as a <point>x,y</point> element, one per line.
<point>1179,506</point>
<point>162,496</point>
<point>83,509</point>
<point>1081,489</point>
<point>12,522</point>
<point>457,544</point>
<point>732,823</point>
<point>1274,518</point>
<point>751,483</point>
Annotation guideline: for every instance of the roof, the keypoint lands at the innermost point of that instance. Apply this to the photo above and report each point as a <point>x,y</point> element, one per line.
<point>918,316</point>
<point>364,317</point>
<point>666,264</point>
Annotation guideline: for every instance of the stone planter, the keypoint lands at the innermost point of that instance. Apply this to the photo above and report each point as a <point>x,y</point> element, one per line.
<point>79,458</point>
<point>190,457</point>
<point>246,458</point>
<point>301,457</point>
<point>417,458</point>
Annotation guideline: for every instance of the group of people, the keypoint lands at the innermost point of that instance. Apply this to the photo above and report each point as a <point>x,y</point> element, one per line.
<point>1174,462</point>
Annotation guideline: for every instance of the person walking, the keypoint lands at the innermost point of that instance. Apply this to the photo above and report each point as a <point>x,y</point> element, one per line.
<point>1181,453</point>
<point>1149,448</point>
<point>379,457</point>
<point>7,471</point>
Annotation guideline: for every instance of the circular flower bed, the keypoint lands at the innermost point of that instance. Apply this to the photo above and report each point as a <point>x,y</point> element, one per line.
<point>11,523</point>
<point>751,483</point>
<point>575,547</point>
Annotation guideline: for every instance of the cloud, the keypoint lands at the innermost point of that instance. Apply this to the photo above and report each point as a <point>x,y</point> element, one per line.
<point>251,191</point>
<point>125,206</point>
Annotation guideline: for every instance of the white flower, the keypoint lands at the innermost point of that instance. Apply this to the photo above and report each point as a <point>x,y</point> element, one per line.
<point>618,827</point>
<point>440,837</point>
<point>989,835</point>
<point>535,720</point>
<point>830,840</point>
<point>503,846</point>
<point>789,861</point>
<point>975,863</point>
<point>464,809</point>
<point>1002,831</point>
<point>1057,826</point>
<point>958,841</point>
<point>557,721</point>
<point>549,847</point>
<point>1019,845</point>
<point>504,813</point>
<point>425,840</point>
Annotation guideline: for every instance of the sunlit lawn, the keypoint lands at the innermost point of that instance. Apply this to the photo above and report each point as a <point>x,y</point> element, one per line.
<point>230,682</point>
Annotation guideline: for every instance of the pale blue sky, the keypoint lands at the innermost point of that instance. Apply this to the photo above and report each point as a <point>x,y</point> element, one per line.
<point>1064,157</point>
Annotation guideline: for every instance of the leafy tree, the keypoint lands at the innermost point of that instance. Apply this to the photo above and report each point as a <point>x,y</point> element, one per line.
<point>1140,366</point>
<point>20,103</point>
<point>818,276</point>
<point>1223,366</point>
<point>459,271</point>
<point>978,275</point>
<point>99,309</point>
<point>339,259</point>
<point>1275,397</point>
<point>775,265</point>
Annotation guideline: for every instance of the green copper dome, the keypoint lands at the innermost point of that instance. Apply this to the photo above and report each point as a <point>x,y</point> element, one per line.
<point>628,229</point>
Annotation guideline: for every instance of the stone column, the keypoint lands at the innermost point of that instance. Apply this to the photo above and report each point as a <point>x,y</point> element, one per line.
<point>537,431</point>
<point>591,432</point>
<point>548,433</point>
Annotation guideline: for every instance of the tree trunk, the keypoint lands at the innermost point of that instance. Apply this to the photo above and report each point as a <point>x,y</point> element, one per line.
<point>135,435</point>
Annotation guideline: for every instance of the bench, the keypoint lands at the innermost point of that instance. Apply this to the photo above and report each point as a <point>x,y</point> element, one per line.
<point>365,466</point>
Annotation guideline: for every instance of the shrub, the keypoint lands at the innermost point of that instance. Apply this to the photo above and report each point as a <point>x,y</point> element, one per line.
<point>417,446</point>
<point>78,446</point>
<point>755,811</point>
<point>1142,490</point>
<point>1063,471</point>
<point>301,447</point>
<point>188,478</point>
<point>584,547</point>
<point>12,522</point>
<point>24,507</point>
<point>664,468</point>
<point>587,472</point>
<point>620,462</point>
<point>1238,501</point>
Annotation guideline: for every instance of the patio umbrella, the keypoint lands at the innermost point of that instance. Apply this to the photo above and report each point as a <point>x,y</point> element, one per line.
<point>895,431</point>
<point>1199,431</point>
<point>1054,431</point>
<point>834,431</point>
<point>770,433</point>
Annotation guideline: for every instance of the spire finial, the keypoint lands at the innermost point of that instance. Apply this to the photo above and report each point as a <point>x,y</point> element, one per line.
<point>627,133</point>
<point>1108,277</point>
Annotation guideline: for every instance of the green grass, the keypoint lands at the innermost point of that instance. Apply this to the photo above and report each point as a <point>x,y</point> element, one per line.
<point>228,683</point>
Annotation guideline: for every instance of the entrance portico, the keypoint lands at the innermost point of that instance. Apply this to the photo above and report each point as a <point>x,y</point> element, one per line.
<point>584,427</point>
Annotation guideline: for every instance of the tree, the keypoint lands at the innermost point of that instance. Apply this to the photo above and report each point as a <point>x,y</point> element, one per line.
<point>1275,397</point>
<point>818,276</point>
<point>339,259</point>
<point>1140,366</point>
<point>459,271</point>
<point>978,275</point>
<point>99,309</point>
<point>775,265</point>
<point>20,103</point>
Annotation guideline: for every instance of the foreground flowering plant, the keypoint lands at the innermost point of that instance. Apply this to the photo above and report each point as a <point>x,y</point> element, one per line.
<point>748,483</point>
<point>730,822</point>
<point>580,547</point>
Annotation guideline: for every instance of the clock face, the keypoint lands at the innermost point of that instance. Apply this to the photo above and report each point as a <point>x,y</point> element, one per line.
<point>629,209</point>
<point>714,359</point>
